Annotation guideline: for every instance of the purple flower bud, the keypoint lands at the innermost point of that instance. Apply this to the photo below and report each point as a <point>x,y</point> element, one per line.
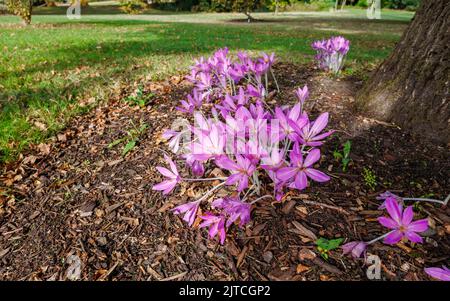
<point>355,248</point>
<point>302,94</point>
<point>197,169</point>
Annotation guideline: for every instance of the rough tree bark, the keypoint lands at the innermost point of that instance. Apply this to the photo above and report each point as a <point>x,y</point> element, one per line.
<point>411,87</point>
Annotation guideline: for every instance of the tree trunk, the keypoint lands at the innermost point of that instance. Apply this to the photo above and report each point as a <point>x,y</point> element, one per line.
<point>249,17</point>
<point>411,87</point>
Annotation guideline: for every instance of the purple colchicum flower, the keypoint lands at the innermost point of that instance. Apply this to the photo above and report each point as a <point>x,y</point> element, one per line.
<point>401,222</point>
<point>302,94</point>
<point>235,209</point>
<point>190,210</point>
<point>386,195</point>
<point>300,170</point>
<point>239,129</point>
<point>331,53</point>
<point>439,273</point>
<point>172,177</point>
<point>193,102</point>
<point>210,145</point>
<point>216,224</point>
<point>174,139</point>
<point>241,170</point>
<point>290,122</point>
<point>355,248</point>
<point>310,133</point>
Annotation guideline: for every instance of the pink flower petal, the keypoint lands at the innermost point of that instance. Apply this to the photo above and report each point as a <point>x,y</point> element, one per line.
<point>173,167</point>
<point>182,208</point>
<point>213,229</point>
<point>388,222</point>
<point>165,172</point>
<point>408,215</point>
<point>300,181</point>
<point>393,238</point>
<point>320,123</point>
<point>414,237</point>
<point>312,157</point>
<point>243,183</point>
<point>170,188</point>
<point>286,173</point>
<point>359,249</point>
<point>348,247</point>
<point>227,163</point>
<point>233,178</point>
<point>164,185</point>
<point>418,226</point>
<point>438,273</point>
<point>322,136</point>
<point>394,210</point>
<point>316,175</point>
<point>295,112</point>
<point>190,216</point>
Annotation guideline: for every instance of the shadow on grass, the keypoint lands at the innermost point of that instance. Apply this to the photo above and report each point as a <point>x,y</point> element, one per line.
<point>101,10</point>
<point>148,45</point>
<point>316,20</point>
<point>166,39</point>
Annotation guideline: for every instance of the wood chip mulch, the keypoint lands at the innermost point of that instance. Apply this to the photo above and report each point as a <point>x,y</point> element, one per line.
<point>75,208</point>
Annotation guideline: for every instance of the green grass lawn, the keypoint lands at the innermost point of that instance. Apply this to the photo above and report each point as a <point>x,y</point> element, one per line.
<point>51,67</point>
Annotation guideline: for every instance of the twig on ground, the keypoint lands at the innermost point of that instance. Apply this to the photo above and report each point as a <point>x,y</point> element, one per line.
<point>322,205</point>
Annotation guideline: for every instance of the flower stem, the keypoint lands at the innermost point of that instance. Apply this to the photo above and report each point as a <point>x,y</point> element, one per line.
<point>446,200</point>
<point>379,237</point>
<point>267,81</point>
<point>275,80</point>
<point>203,179</point>
<point>428,200</point>
<point>248,191</point>
<point>210,191</point>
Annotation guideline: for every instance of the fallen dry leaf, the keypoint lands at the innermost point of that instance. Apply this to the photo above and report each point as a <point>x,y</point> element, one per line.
<point>301,268</point>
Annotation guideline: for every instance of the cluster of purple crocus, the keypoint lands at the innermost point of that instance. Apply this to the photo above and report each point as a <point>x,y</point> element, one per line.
<point>402,228</point>
<point>331,53</point>
<point>258,147</point>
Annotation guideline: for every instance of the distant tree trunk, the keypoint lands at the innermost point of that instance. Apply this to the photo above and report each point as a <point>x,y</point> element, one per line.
<point>411,87</point>
<point>277,3</point>
<point>249,17</point>
<point>343,4</point>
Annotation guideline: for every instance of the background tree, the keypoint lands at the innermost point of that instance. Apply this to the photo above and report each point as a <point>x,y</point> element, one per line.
<point>411,87</point>
<point>244,6</point>
<point>276,5</point>
<point>50,3</point>
<point>21,8</point>
<point>133,7</point>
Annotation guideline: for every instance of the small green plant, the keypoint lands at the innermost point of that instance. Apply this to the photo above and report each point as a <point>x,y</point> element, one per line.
<point>324,245</point>
<point>138,98</point>
<point>344,156</point>
<point>369,178</point>
<point>131,139</point>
